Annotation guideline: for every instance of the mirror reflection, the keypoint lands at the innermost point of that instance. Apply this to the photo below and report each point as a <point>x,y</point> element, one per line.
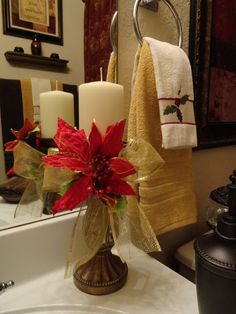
<point>98,43</point>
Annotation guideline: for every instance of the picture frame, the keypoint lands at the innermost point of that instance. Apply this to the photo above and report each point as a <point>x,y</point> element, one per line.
<point>24,18</point>
<point>214,127</point>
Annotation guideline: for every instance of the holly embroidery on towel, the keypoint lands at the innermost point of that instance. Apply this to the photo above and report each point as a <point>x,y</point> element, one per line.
<point>175,107</point>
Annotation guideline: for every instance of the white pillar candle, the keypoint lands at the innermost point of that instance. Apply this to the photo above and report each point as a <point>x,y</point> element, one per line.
<point>54,105</point>
<point>102,101</point>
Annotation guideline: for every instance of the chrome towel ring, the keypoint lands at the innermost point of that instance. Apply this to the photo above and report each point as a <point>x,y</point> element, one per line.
<point>113,32</point>
<point>173,11</point>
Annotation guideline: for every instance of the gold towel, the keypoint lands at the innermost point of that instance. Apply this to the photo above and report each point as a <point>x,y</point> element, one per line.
<point>112,68</point>
<point>56,85</point>
<point>167,198</point>
<point>27,100</point>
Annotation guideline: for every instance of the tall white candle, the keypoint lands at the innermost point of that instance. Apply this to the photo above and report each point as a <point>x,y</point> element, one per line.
<point>54,105</point>
<point>102,101</point>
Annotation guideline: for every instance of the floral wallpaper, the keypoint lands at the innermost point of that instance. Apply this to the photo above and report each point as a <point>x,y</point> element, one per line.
<point>97,46</point>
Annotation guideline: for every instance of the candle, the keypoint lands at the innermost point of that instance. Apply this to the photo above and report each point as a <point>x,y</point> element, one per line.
<point>102,101</point>
<point>54,105</point>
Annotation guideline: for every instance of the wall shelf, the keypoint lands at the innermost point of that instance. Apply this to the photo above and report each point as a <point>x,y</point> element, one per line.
<point>20,57</point>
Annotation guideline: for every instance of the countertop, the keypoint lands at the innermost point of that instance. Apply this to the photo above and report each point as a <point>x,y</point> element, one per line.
<point>34,256</point>
<point>151,288</point>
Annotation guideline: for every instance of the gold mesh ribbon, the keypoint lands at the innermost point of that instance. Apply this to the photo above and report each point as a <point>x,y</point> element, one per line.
<point>92,225</point>
<point>55,178</point>
<point>88,234</point>
<point>144,157</point>
<point>28,164</point>
<point>133,227</point>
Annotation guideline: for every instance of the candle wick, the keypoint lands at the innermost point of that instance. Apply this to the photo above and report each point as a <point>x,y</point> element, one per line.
<point>101,74</point>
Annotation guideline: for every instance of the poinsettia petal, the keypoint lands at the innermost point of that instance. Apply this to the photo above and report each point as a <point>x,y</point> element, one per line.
<point>121,167</point>
<point>95,139</point>
<point>65,161</point>
<point>112,143</point>
<point>120,187</point>
<point>64,138</point>
<point>9,146</point>
<point>23,132</point>
<point>71,140</point>
<point>10,172</point>
<point>76,194</point>
<point>63,129</point>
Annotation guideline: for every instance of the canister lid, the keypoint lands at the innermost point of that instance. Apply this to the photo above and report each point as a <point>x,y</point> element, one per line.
<point>226,226</point>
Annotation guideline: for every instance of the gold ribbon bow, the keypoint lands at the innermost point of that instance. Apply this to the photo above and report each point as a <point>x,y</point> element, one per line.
<point>92,225</point>
<point>28,164</point>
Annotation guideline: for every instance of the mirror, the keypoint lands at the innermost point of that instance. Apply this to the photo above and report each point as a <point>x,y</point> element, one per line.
<point>96,30</point>
<point>212,52</point>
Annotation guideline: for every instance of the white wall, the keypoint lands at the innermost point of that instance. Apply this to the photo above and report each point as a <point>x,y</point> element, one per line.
<point>211,167</point>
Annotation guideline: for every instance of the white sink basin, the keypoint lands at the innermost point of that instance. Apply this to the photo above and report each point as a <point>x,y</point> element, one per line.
<point>65,309</point>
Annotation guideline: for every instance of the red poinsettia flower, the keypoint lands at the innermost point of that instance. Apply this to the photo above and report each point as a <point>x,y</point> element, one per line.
<point>27,133</point>
<point>101,171</point>
<point>22,135</point>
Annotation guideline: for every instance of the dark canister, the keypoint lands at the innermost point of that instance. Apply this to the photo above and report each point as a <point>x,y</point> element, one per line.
<point>36,48</point>
<point>216,263</point>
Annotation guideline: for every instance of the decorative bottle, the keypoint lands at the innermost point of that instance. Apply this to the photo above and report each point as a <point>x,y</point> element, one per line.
<point>215,254</point>
<point>36,46</point>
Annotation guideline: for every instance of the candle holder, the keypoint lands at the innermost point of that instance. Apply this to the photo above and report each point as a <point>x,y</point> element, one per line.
<point>101,165</point>
<point>105,273</point>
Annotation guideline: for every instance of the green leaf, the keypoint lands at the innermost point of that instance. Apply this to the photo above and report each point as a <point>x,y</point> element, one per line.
<point>170,109</point>
<point>65,187</point>
<point>184,99</point>
<point>120,206</point>
<point>179,115</point>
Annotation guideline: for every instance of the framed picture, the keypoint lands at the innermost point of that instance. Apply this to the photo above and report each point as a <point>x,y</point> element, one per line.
<point>212,53</point>
<point>24,18</point>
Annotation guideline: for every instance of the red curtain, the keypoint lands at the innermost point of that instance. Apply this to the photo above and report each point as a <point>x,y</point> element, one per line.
<point>97,46</point>
<point>224,22</point>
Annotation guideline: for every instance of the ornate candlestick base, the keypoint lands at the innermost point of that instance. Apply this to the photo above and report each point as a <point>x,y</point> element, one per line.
<point>103,274</point>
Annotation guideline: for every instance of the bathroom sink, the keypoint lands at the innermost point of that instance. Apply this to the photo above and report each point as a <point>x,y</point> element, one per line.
<point>34,257</point>
<point>64,309</point>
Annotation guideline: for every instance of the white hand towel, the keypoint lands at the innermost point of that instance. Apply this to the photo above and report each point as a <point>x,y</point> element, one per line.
<point>174,87</point>
<point>38,86</point>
